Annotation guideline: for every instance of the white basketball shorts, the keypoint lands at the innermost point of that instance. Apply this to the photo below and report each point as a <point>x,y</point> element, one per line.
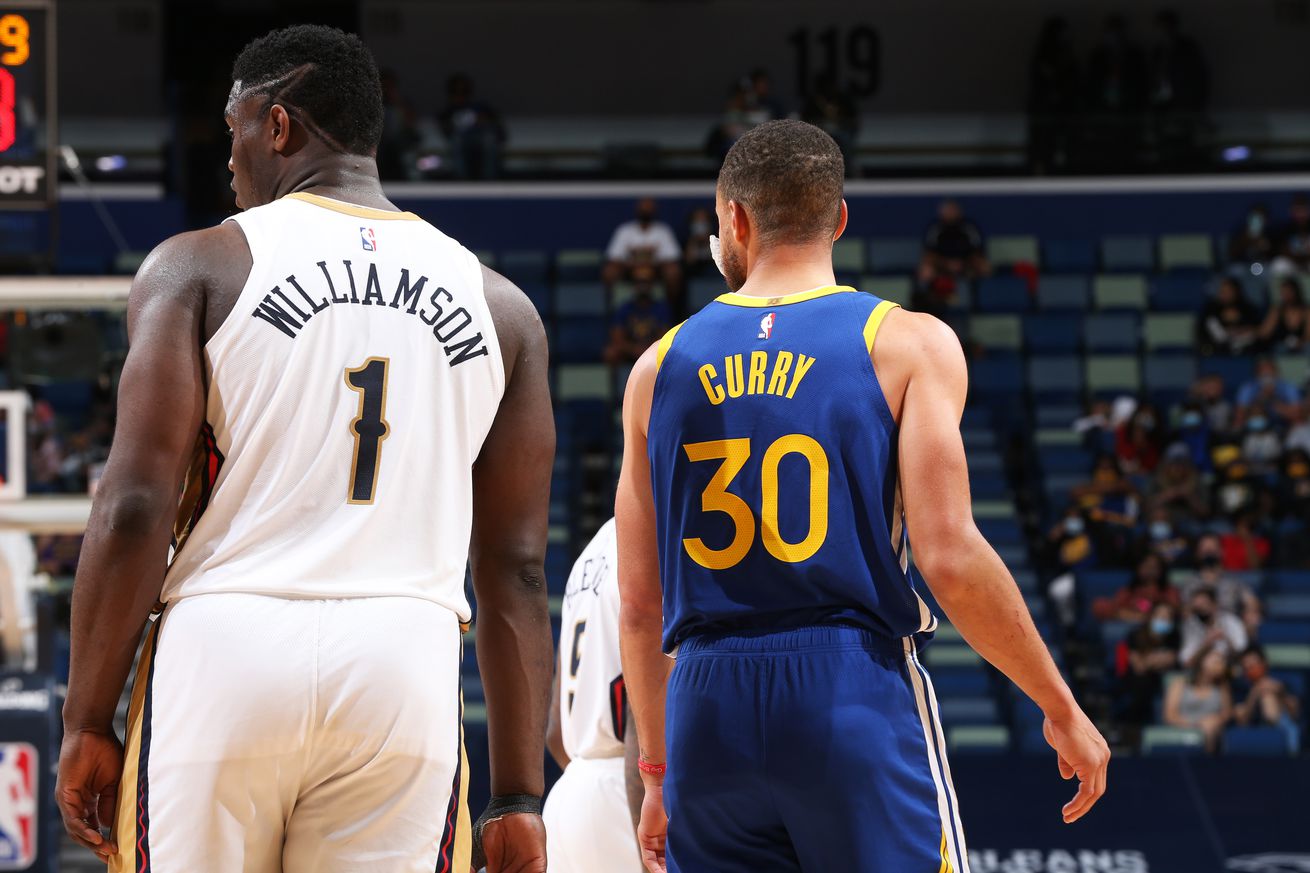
<point>273,734</point>
<point>588,825</point>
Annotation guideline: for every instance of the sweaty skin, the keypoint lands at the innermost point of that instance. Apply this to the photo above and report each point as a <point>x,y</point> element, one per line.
<point>182,294</point>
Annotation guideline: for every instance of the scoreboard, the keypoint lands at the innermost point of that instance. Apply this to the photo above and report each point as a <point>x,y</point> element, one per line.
<point>28,138</point>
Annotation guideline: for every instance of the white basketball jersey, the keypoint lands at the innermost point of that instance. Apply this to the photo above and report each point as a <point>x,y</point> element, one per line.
<point>350,390</point>
<point>591,694</point>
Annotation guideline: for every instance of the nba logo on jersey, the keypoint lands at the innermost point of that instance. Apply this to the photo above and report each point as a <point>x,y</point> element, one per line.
<point>18,772</point>
<point>766,325</point>
<point>366,237</point>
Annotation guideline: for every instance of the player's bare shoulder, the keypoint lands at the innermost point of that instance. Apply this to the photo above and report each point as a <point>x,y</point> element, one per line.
<point>911,344</point>
<point>518,325</point>
<point>200,270</point>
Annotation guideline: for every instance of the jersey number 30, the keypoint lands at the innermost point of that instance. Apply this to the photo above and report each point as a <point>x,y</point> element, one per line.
<point>369,427</point>
<point>734,455</point>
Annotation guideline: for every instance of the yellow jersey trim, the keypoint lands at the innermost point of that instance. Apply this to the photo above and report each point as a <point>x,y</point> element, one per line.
<point>735,299</point>
<point>875,321</point>
<point>352,208</point>
<point>665,342</point>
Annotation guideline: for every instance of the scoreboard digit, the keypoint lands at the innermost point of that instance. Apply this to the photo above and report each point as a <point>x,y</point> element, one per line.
<point>28,133</point>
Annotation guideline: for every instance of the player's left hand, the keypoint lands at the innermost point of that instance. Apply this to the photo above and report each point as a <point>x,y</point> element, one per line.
<point>653,829</point>
<point>90,765</point>
<point>515,844</point>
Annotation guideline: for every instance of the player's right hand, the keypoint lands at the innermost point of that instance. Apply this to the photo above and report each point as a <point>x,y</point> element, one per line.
<point>653,829</point>
<point>90,765</point>
<point>515,844</point>
<point>1082,752</point>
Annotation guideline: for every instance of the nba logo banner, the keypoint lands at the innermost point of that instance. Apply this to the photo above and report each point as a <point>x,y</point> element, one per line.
<point>18,775</point>
<point>766,326</point>
<point>366,237</point>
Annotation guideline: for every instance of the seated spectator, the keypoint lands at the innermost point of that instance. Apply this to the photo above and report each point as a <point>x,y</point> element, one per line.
<point>1101,423</point>
<point>1232,594</point>
<point>1111,507</point>
<point>1138,441</point>
<point>473,129</point>
<point>1245,548</point>
<point>1070,541</point>
<point>696,259</point>
<point>1202,700</point>
<point>1147,588</point>
<point>1267,701</point>
<point>639,322</point>
<point>737,118</point>
<point>1210,394</point>
<point>1228,322</point>
<point>952,250</point>
<point>645,241</point>
<point>1298,436</point>
<point>1166,539</point>
<point>832,108</point>
<point>1294,484</point>
<point>1178,488</point>
<point>1275,395</point>
<point>1262,446</point>
<point>1207,626</point>
<point>1286,327</point>
<point>1150,652</point>
<point>760,99</point>
<point>1194,434</point>
<point>1292,240</point>
<point>1252,242</point>
<point>1236,488</point>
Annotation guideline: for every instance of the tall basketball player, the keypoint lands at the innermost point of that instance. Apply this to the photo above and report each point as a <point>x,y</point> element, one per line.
<point>357,408</point>
<point>780,445</point>
<point>589,814</point>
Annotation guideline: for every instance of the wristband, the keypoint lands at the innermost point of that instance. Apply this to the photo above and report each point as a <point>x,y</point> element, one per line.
<point>498,807</point>
<point>653,769</point>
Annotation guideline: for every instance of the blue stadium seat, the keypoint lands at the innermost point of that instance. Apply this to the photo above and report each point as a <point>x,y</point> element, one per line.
<point>1101,583</point>
<point>1178,293</point>
<point>1117,332</point>
<point>1064,292</point>
<point>1033,742</point>
<point>1051,415</point>
<point>524,265</point>
<point>580,340</point>
<point>996,374</point>
<point>578,265</point>
<point>1001,531</point>
<point>969,710</point>
<point>1276,632</point>
<point>1064,459</point>
<point>703,290</point>
<point>1169,373</point>
<point>1234,371</point>
<point>541,296</point>
<point>1266,742</point>
<point>1002,294</point>
<point>988,486</point>
<point>1288,606</point>
<point>1055,374</point>
<point>894,254</point>
<point>1128,254</point>
<point>574,299</point>
<point>1290,581</point>
<point>1069,256</point>
<point>960,682</point>
<point>1052,332</point>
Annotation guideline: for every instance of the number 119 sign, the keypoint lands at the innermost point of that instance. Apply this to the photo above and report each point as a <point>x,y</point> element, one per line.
<point>28,139</point>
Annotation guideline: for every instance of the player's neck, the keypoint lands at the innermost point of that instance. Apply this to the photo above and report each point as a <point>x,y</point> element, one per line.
<point>350,179</point>
<point>788,270</point>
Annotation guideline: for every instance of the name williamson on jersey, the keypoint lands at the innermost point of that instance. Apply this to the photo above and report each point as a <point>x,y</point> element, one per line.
<point>450,324</point>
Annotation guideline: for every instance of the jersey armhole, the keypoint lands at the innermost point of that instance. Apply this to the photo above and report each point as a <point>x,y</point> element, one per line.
<point>665,343</point>
<point>875,321</point>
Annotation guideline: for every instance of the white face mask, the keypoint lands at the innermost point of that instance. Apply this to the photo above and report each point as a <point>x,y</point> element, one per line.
<point>716,252</point>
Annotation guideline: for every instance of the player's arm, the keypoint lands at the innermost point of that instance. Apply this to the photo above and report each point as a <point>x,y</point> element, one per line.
<point>554,729</point>
<point>161,402</point>
<point>511,496</point>
<point>968,578</point>
<point>641,610</point>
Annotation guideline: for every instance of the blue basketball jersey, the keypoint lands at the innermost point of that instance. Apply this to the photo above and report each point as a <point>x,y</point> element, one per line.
<point>773,465</point>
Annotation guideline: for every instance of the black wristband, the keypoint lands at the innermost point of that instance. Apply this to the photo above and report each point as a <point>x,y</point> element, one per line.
<point>500,806</point>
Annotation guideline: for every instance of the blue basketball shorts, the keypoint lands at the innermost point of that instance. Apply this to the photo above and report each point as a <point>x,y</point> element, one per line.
<point>812,749</point>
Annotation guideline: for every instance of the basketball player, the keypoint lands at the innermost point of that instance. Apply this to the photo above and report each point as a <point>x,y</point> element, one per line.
<point>780,444</point>
<point>589,819</point>
<point>357,408</point>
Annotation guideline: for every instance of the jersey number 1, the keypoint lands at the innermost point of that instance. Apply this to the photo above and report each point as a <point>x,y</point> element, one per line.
<point>369,427</point>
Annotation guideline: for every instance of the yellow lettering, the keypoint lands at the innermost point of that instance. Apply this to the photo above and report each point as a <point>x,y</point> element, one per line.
<point>707,376</point>
<point>782,366</point>
<point>736,384</point>
<point>759,361</point>
<point>803,365</point>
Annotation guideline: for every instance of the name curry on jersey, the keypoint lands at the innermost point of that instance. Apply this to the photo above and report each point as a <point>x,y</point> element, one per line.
<point>779,373</point>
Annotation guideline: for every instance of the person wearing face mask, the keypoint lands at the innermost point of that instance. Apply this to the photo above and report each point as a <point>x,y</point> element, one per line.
<point>1165,538</point>
<point>1232,594</point>
<point>638,322</point>
<point>1148,587</point>
<point>1292,240</point>
<point>1070,542</point>
<point>1274,396</point>
<point>1245,547</point>
<point>1209,626</point>
<point>1268,701</point>
<point>1203,700</point>
<point>1227,322</point>
<point>1286,327</point>
<point>1137,441</point>
<point>1208,394</point>
<point>697,259</point>
<point>1262,446</point>
<point>644,241</point>
<point>1251,241</point>
<point>1298,437</point>
<point>1177,488</point>
<point>1142,660</point>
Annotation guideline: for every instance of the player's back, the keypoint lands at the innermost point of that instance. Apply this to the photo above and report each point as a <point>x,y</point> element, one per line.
<point>773,465</point>
<point>349,392</point>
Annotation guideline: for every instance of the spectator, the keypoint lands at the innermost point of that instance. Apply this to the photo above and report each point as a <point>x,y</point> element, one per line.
<point>1292,240</point>
<point>1166,539</point>
<point>1100,425</point>
<point>1261,446</point>
<point>472,129</point>
<point>760,99</point>
<point>1294,485</point>
<point>1228,322</point>
<point>1298,437</point>
<point>1150,652</point>
<point>696,258</point>
<point>399,131</point>
<point>1179,91</point>
<point>1286,327</point>
<point>1268,393</point>
<point>1070,541</point>
<point>1267,700</point>
<point>1231,594</point>
<point>1053,97</point>
<point>1111,507</point>
<point>1209,627</point>
<point>1178,488</point>
<point>1245,548</point>
<point>1194,434</point>
<point>1138,441</point>
<point>639,322</point>
<point>1252,242</point>
<point>1203,699</point>
<point>1236,489</point>
<point>645,241</point>
<point>1115,84</point>
<point>832,108</point>
<point>1210,395</point>
<point>1147,588</point>
<point>737,118</point>
<point>952,250</point>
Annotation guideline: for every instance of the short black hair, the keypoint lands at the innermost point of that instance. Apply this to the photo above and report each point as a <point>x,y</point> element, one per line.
<point>790,176</point>
<point>325,74</point>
